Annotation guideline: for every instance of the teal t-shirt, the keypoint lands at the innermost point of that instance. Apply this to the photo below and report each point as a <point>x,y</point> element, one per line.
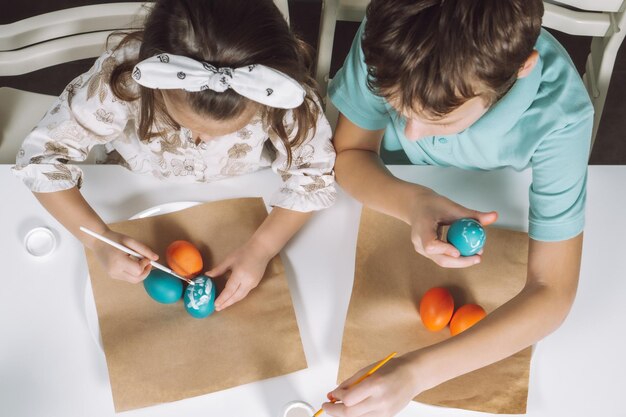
<point>544,121</point>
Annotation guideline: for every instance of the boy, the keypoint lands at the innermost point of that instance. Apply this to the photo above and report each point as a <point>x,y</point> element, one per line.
<point>477,85</point>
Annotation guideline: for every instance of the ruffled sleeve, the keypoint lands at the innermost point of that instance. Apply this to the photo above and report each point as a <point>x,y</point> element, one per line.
<point>85,114</point>
<point>309,183</point>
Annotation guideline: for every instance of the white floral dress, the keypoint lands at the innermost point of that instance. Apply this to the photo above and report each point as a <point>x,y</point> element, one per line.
<point>88,114</point>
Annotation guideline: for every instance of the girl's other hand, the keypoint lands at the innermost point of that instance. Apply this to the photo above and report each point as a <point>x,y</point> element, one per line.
<point>382,394</point>
<point>430,213</point>
<point>120,265</point>
<point>247,266</point>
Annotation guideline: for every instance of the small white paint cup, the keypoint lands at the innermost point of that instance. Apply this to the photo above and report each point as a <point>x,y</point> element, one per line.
<point>40,242</point>
<point>297,409</point>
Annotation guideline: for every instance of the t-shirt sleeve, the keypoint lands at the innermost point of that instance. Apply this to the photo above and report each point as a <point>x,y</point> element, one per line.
<point>350,94</point>
<point>559,178</point>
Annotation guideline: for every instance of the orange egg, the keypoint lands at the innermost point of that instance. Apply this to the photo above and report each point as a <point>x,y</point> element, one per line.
<point>465,317</point>
<point>184,258</point>
<point>436,307</point>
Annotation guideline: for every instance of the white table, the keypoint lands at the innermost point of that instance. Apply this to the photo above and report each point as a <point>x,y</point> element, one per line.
<point>50,366</point>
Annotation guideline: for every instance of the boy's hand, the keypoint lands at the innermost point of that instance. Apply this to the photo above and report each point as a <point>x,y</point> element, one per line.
<point>120,265</point>
<point>430,213</point>
<point>382,394</point>
<point>247,265</point>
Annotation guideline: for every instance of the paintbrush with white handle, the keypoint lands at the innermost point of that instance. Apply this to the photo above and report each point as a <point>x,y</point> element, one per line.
<point>133,253</point>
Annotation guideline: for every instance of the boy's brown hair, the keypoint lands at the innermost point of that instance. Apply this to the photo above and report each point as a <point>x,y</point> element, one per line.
<point>224,33</point>
<point>431,56</point>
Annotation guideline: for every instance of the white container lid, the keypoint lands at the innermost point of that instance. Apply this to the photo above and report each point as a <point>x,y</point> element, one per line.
<point>40,242</point>
<point>298,409</point>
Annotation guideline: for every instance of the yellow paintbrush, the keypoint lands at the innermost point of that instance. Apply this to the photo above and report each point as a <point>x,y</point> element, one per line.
<point>368,373</point>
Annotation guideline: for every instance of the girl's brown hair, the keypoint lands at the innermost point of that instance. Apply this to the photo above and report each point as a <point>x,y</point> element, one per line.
<point>431,56</point>
<point>224,33</point>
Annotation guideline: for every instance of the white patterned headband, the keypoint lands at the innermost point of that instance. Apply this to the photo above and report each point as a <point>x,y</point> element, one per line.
<point>259,83</point>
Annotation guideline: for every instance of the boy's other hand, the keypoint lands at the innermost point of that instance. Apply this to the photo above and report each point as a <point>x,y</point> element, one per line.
<point>247,266</point>
<point>430,213</point>
<point>120,265</point>
<point>382,394</point>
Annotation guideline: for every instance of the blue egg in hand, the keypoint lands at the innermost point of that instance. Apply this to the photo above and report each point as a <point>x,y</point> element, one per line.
<point>200,298</point>
<point>163,287</point>
<point>467,235</point>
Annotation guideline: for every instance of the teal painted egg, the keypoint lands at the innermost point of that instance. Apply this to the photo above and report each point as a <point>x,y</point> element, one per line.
<point>467,235</point>
<point>200,298</point>
<point>163,287</point>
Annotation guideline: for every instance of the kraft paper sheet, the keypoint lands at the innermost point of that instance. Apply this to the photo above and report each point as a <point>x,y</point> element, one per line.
<point>383,315</point>
<point>157,353</point>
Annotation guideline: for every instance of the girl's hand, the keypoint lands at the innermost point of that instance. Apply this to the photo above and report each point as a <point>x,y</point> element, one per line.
<point>118,264</point>
<point>429,214</point>
<point>247,265</point>
<point>382,394</point>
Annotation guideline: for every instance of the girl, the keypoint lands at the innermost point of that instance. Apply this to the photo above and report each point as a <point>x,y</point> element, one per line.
<point>207,90</point>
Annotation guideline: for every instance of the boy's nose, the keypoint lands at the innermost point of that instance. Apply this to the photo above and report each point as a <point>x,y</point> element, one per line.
<point>415,129</point>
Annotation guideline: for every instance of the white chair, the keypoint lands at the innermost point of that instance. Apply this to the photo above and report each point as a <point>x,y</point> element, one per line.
<point>603,20</point>
<point>46,40</point>
<point>50,39</point>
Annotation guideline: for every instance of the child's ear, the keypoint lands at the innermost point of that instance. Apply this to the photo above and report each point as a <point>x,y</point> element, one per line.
<point>528,66</point>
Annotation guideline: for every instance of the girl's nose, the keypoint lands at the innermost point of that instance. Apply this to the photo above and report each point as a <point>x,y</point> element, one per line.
<point>200,137</point>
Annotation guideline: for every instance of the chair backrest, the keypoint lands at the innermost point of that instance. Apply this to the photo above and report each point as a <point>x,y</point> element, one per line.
<point>333,11</point>
<point>46,40</point>
<point>62,36</point>
<point>53,38</point>
<point>603,20</point>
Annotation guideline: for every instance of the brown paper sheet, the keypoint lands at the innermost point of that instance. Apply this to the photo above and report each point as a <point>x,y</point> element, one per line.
<point>158,353</point>
<point>383,315</point>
